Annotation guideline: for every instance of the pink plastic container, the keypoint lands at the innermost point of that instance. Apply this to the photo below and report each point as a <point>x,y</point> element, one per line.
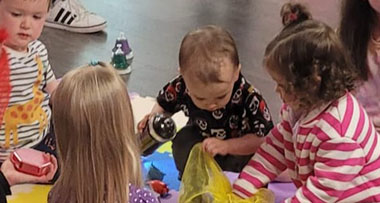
<point>30,161</point>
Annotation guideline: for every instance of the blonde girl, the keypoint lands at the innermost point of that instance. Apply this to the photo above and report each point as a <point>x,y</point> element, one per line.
<point>99,156</point>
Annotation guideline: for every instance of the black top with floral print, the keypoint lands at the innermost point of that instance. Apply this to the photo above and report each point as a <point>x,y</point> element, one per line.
<point>246,112</point>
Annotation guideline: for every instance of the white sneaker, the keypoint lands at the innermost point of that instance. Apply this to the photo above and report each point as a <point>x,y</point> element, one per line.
<point>70,15</point>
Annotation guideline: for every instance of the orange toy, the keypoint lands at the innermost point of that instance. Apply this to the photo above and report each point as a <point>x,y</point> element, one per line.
<point>159,187</point>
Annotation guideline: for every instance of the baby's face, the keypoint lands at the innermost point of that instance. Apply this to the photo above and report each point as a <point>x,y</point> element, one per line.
<point>282,84</point>
<point>214,95</point>
<point>23,20</point>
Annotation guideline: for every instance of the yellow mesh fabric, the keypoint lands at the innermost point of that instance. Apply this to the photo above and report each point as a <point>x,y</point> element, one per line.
<point>203,181</point>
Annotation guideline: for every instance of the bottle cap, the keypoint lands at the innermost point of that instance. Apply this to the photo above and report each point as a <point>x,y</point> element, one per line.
<point>163,127</point>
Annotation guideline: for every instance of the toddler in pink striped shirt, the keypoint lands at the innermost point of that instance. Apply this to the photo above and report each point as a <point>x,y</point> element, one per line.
<point>325,139</point>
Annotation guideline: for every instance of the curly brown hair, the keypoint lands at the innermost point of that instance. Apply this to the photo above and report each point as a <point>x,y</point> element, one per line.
<point>309,54</point>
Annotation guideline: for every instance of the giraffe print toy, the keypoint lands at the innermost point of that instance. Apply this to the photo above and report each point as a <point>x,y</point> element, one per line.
<point>26,113</point>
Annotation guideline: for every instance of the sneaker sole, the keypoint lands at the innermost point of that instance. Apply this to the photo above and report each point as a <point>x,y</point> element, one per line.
<point>90,29</point>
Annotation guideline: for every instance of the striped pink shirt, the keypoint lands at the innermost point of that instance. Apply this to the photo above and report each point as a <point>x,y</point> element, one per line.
<point>332,155</point>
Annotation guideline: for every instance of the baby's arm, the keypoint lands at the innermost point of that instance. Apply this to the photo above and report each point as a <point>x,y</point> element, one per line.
<point>267,163</point>
<point>156,109</point>
<point>338,163</point>
<point>51,86</point>
<point>246,145</point>
<point>256,124</point>
<point>49,77</point>
<point>167,100</point>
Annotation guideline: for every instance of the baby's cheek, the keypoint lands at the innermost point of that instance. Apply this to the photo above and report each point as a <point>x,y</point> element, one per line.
<point>224,102</point>
<point>198,104</point>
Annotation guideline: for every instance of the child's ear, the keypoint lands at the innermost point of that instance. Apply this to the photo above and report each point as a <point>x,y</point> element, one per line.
<point>180,71</point>
<point>237,72</point>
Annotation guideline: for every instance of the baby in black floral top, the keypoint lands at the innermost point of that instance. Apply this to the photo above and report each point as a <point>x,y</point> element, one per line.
<point>226,113</point>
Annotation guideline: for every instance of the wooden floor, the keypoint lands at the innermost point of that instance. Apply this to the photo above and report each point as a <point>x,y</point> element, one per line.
<point>155,28</point>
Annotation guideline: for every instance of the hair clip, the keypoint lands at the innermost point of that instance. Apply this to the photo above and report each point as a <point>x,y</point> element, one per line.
<point>293,17</point>
<point>94,63</point>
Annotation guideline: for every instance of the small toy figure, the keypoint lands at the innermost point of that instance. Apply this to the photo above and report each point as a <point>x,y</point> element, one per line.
<point>118,60</point>
<point>122,55</point>
<point>159,187</point>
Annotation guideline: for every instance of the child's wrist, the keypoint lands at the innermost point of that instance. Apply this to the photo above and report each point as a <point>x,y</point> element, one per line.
<point>228,146</point>
<point>9,178</point>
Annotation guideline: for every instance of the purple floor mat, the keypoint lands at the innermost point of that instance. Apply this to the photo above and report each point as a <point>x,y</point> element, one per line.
<point>172,199</point>
<point>282,191</point>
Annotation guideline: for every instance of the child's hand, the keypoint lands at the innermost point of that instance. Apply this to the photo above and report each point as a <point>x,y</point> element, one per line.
<point>284,177</point>
<point>142,124</point>
<point>15,177</point>
<point>215,146</point>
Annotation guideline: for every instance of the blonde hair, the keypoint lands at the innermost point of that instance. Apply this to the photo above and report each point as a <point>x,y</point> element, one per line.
<point>94,126</point>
